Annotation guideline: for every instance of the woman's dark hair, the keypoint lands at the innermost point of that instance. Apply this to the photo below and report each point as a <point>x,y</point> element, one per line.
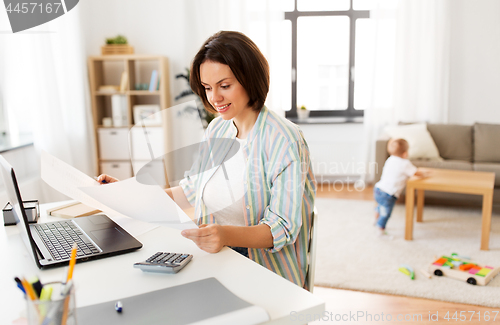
<point>247,63</point>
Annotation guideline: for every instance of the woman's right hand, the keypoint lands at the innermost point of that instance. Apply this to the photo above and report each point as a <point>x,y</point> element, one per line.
<point>105,179</point>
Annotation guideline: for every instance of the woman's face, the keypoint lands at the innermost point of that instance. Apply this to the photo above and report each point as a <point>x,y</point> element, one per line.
<point>223,91</point>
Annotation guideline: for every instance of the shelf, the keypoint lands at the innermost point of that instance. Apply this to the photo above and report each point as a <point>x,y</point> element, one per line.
<point>108,70</point>
<point>114,160</point>
<point>114,127</point>
<point>108,93</point>
<point>129,92</point>
<point>118,57</point>
<point>144,92</point>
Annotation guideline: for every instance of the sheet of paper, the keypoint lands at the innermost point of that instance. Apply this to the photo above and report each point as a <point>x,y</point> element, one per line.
<point>138,201</point>
<point>143,202</point>
<point>67,179</point>
<point>132,226</point>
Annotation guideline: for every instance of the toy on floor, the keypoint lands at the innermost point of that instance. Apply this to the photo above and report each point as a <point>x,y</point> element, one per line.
<point>461,269</point>
<point>408,270</point>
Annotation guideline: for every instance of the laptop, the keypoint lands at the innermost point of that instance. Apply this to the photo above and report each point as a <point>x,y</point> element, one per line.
<point>97,236</point>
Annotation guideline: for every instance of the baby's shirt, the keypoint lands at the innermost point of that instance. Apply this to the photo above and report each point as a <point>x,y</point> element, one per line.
<point>395,174</point>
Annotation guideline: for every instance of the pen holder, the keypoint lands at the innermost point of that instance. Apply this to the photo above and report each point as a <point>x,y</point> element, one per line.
<point>32,212</point>
<point>60,310</point>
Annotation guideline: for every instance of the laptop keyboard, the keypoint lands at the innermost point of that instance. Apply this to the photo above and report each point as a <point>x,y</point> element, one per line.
<point>59,238</point>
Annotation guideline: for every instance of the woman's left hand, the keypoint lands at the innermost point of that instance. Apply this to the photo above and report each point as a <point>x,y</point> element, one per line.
<point>209,238</point>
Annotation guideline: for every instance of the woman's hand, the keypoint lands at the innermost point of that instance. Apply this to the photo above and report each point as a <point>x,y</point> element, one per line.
<point>209,238</point>
<point>104,179</point>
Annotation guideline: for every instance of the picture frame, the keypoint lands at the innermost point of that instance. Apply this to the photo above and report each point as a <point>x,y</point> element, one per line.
<point>147,114</point>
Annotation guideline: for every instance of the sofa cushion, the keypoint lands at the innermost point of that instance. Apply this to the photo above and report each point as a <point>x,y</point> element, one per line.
<point>486,137</point>
<point>489,167</point>
<point>419,139</point>
<point>445,164</point>
<point>452,140</point>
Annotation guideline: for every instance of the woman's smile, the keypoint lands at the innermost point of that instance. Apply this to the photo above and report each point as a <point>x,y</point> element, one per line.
<point>223,108</point>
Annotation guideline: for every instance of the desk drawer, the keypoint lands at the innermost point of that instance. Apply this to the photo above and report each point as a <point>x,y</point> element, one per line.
<point>140,149</point>
<point>113,144</point>
<point>119,169</point>
<point>155,169</point>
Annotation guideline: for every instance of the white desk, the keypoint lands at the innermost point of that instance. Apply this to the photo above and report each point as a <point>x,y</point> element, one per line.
<point>114,278</point>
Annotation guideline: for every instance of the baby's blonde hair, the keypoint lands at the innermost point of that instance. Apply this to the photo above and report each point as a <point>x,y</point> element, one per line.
<point>397,147</point>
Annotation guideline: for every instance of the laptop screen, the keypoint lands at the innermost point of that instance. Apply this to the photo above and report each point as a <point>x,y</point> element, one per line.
<point>14,196</point>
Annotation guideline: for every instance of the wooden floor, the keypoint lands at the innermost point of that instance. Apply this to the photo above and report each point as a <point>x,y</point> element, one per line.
<point>348,191</point>
<point>343,306</point>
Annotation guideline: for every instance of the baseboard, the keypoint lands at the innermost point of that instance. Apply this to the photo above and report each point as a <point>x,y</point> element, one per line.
<point>331,179</point>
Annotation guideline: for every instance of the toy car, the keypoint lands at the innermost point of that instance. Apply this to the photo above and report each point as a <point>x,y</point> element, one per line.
<point>464,270</point>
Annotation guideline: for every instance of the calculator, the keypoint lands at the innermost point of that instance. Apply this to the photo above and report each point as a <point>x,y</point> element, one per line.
<point>164,262</point>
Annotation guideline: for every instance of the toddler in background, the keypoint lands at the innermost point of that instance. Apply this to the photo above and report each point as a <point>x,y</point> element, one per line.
<point>397,170</point>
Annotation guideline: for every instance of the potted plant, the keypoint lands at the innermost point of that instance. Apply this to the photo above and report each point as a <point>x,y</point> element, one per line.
<point>302,112</point>
<point>117,45</point>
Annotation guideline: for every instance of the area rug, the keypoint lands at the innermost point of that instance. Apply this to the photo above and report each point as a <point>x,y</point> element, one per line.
<point>350,255</point>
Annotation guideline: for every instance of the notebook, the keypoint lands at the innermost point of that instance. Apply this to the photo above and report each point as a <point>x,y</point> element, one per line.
<point>97,236</point>
<point>203,302</point>
<point>72,210</point>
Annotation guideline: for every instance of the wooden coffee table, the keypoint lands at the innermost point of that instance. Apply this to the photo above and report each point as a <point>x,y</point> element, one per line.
<point>456,181</point>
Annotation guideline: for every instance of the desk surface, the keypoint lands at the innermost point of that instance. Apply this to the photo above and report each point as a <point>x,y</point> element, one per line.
<point>448,180</point>
<point>114,278</point>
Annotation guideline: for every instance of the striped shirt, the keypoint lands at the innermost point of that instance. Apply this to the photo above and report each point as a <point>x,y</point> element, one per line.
<point>280,187</point>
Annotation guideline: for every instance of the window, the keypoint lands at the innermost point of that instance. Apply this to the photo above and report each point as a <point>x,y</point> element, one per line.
<point>323,56</point>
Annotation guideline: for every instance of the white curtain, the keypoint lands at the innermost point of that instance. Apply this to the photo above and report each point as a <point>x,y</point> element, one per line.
<point>378,78</point>
<point>45,90</point>
<point>419,74</point>
<point>422,61</point>
<point>261,20</point>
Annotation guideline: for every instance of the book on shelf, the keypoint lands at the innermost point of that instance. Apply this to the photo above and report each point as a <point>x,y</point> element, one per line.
<point>154,80</point>
<point>72,210</point>
<point>124,81</point>
<point>119,109</point>
<point>109,89</point>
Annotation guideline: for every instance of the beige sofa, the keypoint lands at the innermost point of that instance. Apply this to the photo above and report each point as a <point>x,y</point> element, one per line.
<point>463,147</point>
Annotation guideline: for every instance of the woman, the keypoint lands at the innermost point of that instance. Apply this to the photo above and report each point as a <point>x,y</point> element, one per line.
<point>270,174</point>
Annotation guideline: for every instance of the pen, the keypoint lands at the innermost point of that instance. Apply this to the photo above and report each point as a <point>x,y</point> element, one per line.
<point>119,306</point>
<point>51,313</point>
<point>29,289</point>
<point>103,181</point>
<point>67,288</point>
<point>66,293</point>
<point>72,262</point>
<point>20,284</point>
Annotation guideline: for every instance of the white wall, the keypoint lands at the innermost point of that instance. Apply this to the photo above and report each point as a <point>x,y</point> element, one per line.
<point>475,62</point>
<point>336,150</point>
<point>27,171</point>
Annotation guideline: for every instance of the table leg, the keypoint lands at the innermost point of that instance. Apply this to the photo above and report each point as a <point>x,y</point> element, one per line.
<point>410,206</point>
<point>420,205</point>
<point>486,223</point>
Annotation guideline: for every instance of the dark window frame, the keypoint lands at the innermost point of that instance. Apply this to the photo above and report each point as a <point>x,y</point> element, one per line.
<point>293,16</point>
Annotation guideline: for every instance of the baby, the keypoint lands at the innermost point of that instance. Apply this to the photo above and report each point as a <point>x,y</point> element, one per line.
<point>397,170</point>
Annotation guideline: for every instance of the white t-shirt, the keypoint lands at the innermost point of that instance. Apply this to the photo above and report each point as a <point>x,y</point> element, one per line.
<point>223,193</point>
<point>395,174</point>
